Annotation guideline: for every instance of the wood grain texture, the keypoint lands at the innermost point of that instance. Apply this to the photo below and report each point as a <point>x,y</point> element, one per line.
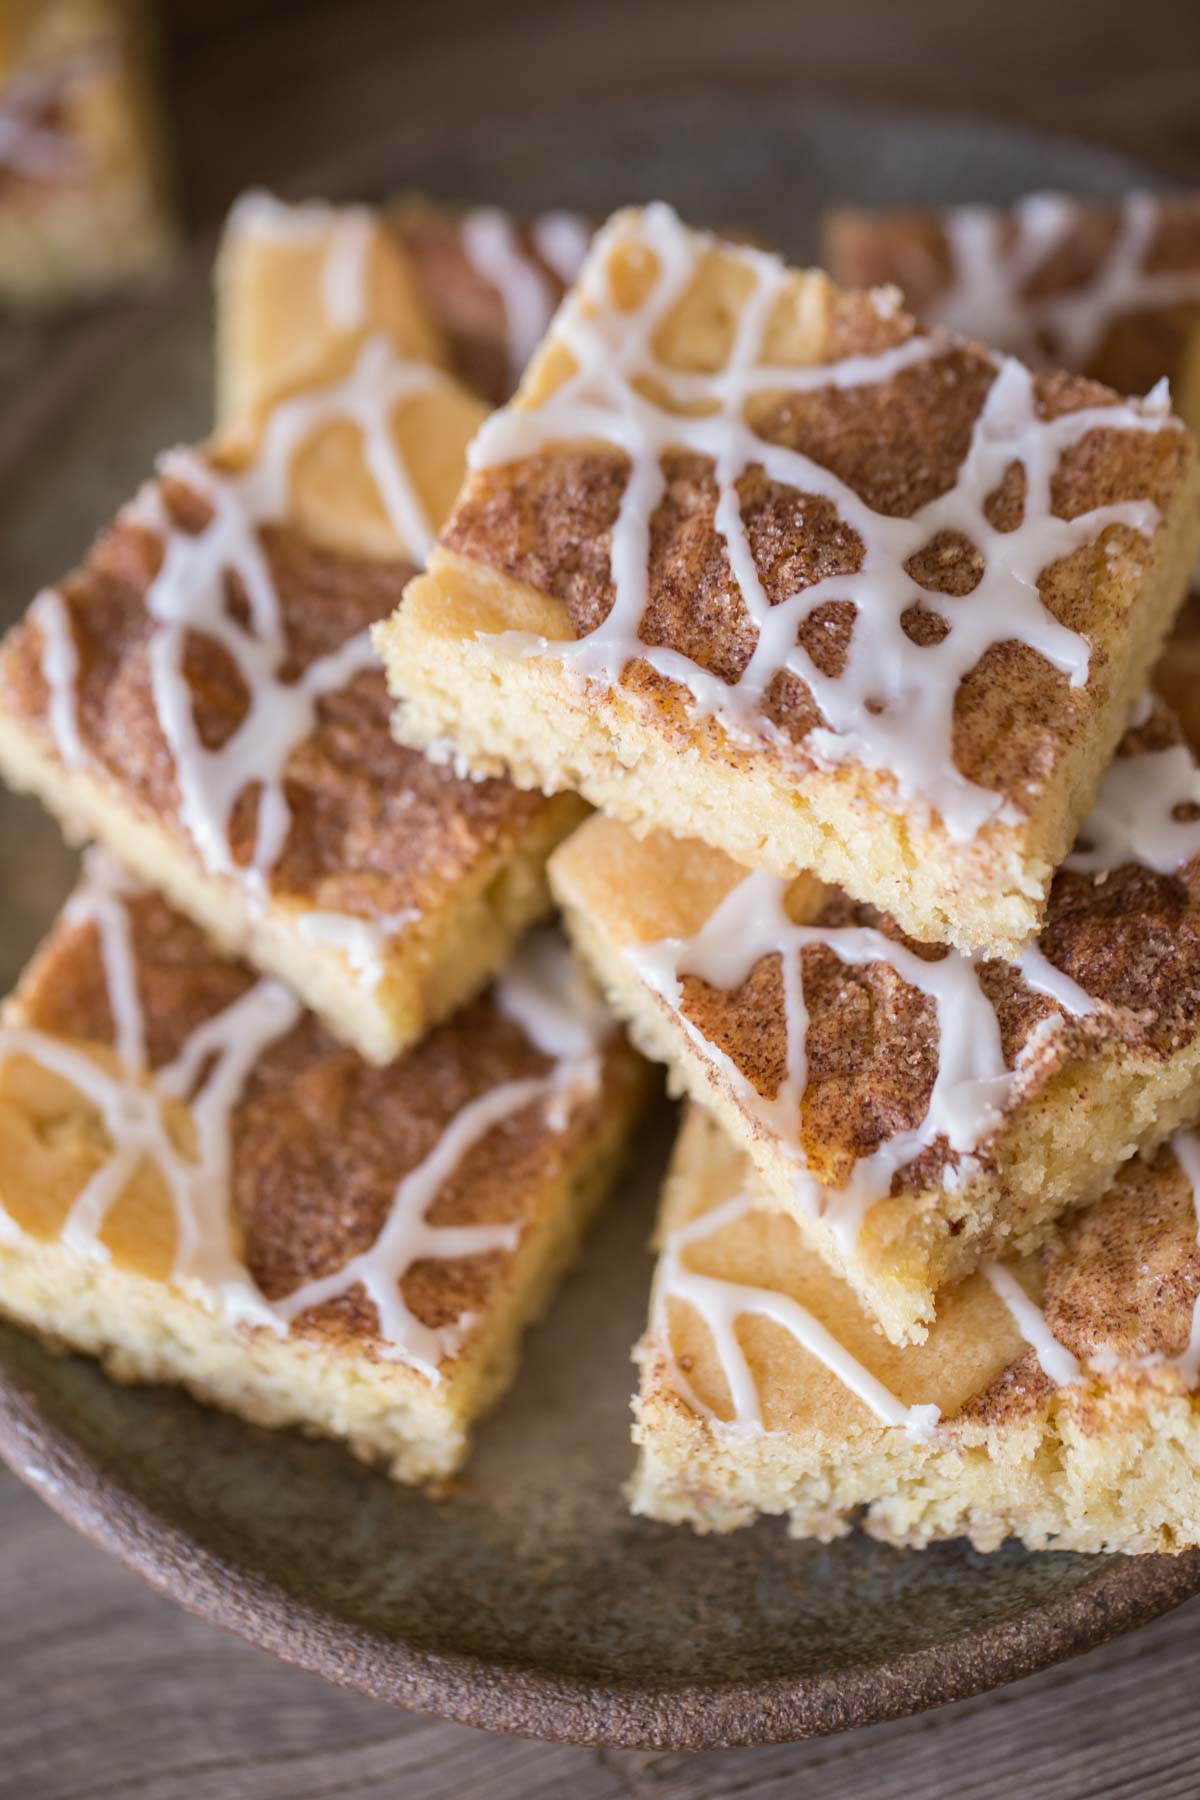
<point>108,1690</point>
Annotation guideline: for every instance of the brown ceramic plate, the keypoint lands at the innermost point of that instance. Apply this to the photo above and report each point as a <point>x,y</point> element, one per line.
<point>528,1600</point>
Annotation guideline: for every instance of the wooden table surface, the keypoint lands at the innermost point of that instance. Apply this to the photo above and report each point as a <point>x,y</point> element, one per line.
<point>108,1690</point>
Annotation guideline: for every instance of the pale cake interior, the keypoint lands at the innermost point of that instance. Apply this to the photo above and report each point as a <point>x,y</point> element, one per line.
<point>321,1146</point>
<point>527,551</point>
<point>1098,1455</point>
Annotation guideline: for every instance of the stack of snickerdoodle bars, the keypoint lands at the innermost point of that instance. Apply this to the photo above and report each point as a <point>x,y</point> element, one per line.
<point>847,625</point>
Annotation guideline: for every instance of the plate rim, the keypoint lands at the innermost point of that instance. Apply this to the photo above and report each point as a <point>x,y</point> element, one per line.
<point>524,1700</point>
<point>513,1696</point>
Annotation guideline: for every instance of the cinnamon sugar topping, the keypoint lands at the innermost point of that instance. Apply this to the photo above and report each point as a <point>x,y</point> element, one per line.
<point>979,1067</point>
<point>224,551</point>
<point>211,1073</point>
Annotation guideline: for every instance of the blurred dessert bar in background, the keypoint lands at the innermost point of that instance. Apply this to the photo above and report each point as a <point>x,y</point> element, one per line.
<point>84,204</point>
<point>472,289</point>
<point>1109,289</point>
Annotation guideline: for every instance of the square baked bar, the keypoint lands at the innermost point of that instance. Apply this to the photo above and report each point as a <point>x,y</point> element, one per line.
<point>83,206</point>
<point>1054,1401</point>
<point>203,697</point>
<point>200,1185</point>
<point>296,283</point>
<point>915,1109</point>
<point>473,290</point>
<point>757,561</point>
<point>1109,289</point>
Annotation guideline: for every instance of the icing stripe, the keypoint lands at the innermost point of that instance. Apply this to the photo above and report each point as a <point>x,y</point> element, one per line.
<point>344,231</point>
<point>1133,819</point>
<point>60,671</point>
<point>490,243</point>
<point>562,240</point>
<point>1055,1359</point>
<point>722,1303</point>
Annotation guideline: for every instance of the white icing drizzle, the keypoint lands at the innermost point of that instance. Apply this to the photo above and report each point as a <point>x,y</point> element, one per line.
<point>407,1237</point>
<point>188,594</point>
<point>972,1083</point>
<point>344,231</point>
<point>363,942</point>
<point>562,240</point>
<point>546,993</point>
<point>1040,974</point>
<point>492,247</point>
<point>1055,1359</point>
<point>985,298</point>
<point>60,671</point>
<point>722,1303</point>
<point>344,276</point>
<point>973,1086</point>
<point>891,708</point>
<point>209,1076</point>
<point>1133,817</point>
